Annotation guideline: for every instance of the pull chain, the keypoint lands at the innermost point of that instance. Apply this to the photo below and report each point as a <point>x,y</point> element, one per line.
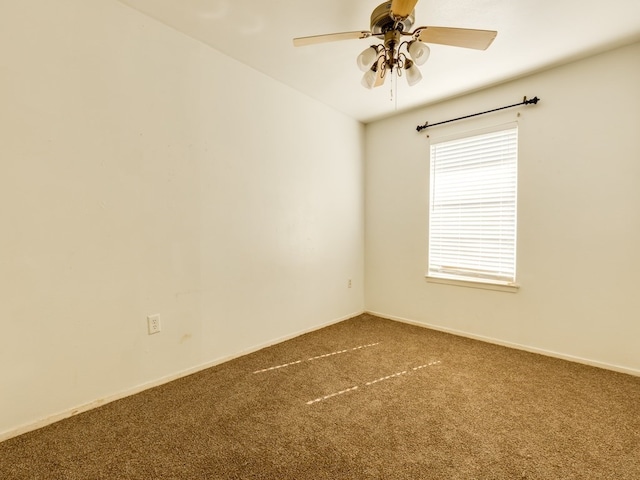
<point>393,91</point>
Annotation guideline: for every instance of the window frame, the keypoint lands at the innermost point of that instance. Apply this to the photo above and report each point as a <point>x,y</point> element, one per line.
<point>458,279</point>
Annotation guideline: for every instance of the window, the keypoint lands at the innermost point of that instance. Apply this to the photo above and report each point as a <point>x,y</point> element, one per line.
<point>472,220</point>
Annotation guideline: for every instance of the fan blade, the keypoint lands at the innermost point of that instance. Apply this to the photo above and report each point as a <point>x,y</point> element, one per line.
<point>457,37</point>
<point>402,8</point>
<point>331,37</point>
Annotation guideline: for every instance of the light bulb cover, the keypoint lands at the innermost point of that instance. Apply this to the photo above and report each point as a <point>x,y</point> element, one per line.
<point>419,52</point>
<point>369,78</point>
<point>367,58</point>
<point>413,73</point>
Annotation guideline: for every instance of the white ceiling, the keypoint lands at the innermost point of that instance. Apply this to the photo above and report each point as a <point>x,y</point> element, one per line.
<point>532,35</point>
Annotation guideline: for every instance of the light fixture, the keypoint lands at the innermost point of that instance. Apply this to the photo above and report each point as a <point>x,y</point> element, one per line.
<point>367,58</point>
<point>369,78</point>
<point>376,60</point>
<point>419,52</point>
<point>413,74</point>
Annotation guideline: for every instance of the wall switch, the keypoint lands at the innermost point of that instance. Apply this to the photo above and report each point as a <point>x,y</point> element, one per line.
<point>349,283</point>
<point>153,324</point>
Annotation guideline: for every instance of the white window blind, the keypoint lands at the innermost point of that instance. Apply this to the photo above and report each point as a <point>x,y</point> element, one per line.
<point>472,221</point>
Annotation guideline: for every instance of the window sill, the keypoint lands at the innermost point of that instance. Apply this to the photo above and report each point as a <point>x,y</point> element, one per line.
<point>475,283</point>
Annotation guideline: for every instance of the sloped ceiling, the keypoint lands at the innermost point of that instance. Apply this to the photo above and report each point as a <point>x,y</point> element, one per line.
<point>532,35</point>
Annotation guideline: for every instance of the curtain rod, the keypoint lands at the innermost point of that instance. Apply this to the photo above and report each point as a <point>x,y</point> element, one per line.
<point>534,100</point>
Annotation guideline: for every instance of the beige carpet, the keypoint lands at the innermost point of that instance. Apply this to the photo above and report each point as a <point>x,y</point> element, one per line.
<point>364,399</point>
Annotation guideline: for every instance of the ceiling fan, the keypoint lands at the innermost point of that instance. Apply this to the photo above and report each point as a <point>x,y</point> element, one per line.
<point>390,22</point>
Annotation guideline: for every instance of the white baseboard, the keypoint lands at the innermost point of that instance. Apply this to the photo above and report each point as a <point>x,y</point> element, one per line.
<point>517,346</point>
<point>43,422</point>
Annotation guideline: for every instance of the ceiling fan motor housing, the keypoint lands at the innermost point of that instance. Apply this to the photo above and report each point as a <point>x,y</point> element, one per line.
<point>382,20</point>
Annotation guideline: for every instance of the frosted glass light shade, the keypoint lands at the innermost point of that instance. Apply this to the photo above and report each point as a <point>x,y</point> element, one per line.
<point>413,74</point>
<point>367,58</point>
<point>419,52</point>
<point>369,79</point>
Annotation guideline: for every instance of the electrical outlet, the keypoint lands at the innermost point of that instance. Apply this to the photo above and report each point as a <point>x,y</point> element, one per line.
<point>349,283</point>
<point>153,324</point>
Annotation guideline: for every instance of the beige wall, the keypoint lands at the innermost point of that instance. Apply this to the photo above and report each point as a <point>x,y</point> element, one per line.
<point>578,225</point>
<point>143,172</point>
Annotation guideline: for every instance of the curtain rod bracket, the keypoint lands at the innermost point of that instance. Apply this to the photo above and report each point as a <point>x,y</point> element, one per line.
<point>534,101</point>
